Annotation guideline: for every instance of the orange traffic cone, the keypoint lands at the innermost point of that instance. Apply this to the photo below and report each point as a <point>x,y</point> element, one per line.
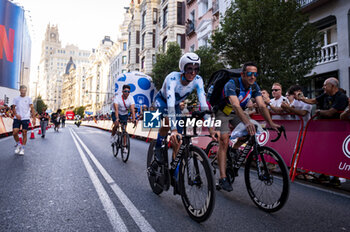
<point>20,138</point>
<point>32,135</point>
<point>39,133</point>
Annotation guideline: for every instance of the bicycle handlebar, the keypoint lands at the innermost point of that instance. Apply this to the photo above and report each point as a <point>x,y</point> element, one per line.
<point>281,130</point>
<point>200,114</point>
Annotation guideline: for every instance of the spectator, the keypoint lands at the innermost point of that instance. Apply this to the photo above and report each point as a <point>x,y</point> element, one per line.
<point>63,120</point>
<point>275,103</point>
<point>183,109</point>
<point>331,102</point>
<point>23,110</point>
<point>295,106</point>
<point>346,114</point>
<point>44,120</point>
<point>56,119</point>
<point>265,95</point>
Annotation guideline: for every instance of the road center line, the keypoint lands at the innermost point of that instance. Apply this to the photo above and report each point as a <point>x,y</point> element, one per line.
<point>112,213</point>
<point>129,206</point>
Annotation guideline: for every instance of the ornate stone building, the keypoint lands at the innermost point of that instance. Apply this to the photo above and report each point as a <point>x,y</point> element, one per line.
<point>53,62</point>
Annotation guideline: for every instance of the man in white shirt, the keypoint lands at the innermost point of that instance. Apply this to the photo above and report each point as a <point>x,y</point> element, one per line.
<point>297,107</point>
<point>120,109</point>
<point>275,104</point>
<point>23,110</point>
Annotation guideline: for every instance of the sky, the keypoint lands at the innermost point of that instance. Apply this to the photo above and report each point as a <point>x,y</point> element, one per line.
<point>83,23</point>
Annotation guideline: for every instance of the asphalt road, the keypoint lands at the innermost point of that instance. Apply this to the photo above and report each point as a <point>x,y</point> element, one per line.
<point>70,181</point>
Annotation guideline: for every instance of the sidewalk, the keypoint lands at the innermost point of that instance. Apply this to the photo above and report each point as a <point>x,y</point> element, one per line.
<point>343,188</point>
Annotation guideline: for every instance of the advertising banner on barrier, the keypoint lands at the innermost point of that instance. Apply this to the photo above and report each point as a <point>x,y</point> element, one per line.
<point>11,38</point>
<point>326,148</point>
<point>285,147</point>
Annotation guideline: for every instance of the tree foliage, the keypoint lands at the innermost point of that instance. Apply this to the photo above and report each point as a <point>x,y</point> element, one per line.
<point>272,33</point>
<point>210,62</point>
<point>39,105</point>
<point>166,63</point>
<point>79,111</point>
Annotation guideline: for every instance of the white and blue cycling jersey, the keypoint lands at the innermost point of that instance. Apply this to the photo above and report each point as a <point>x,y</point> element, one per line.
<point>173,92</point>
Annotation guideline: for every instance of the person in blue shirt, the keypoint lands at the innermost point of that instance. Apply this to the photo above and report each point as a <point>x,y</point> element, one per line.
<point>232,112</point>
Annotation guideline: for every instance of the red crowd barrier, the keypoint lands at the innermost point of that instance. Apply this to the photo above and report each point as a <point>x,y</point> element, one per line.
<point>325,148</point>
<point>285,147</point>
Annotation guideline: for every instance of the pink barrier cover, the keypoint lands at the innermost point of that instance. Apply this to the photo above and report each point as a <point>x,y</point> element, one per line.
<point>326,148</point>
<point>284,147</point>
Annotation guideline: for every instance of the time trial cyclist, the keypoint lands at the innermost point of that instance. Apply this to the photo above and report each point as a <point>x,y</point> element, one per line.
<point>120,108</point>
<point>176,87</point>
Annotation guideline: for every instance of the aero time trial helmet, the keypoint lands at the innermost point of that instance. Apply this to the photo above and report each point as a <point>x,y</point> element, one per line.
<point>188,58</point>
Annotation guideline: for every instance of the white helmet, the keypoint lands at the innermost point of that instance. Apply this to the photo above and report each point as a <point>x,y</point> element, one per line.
<point>188,58</point>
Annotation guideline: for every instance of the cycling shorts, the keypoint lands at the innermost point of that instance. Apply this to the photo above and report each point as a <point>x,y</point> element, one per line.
<point>17,124</point>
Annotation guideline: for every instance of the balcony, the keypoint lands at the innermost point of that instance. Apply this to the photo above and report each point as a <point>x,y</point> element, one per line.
<point>328,53</point>
<point>190,27</point>
<point>216,7</point>
<point>308,5</point>
<point>189,2</point>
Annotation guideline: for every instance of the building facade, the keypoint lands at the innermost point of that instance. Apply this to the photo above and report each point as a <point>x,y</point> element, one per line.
<point>53,62</point>
<point>332,18</point>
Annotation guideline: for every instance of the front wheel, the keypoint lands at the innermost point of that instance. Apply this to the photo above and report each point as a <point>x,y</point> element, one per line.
<point>268,189</point>
<point>154,181</point>
<point>196,184</point>
<point>125,147</point>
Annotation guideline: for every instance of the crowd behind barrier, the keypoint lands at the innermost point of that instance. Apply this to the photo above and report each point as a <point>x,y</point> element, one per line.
<point>323,146</point>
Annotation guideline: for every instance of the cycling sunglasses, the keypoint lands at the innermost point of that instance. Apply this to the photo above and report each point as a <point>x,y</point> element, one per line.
<point>275,90</point>
<point>191,70</point>
<point>249,74</point>
<point>126,91</point>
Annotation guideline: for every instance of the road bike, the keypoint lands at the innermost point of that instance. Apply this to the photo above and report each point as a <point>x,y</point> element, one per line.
<point>121,142</point>
<point>189,173</point>
<point>265,172</point>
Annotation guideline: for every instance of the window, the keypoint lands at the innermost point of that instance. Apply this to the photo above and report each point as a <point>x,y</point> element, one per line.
<point>180,38</point>
<point>137,37</point>
<point>165,16</point>
<point>192,48</point>
<point>203,7</point>
<point>164,43</point>
<point>143,20</point>
<point>143,41</point>
<point>143,63</point>
<point>124,60</point>
<point>154,39</point>
<point>128,58</point>
<point>155,15</point>
<point>153,59</point>
<point>137,55</point>
<point>129,39</point>
<point>124,46</point>
<point>181,13</point>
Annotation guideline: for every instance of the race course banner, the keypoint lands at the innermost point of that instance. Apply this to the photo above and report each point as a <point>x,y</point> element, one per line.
<point>326,148</point>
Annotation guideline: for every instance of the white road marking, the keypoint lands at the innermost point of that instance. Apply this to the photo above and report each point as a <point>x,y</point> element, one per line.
<point>112,213</point>
<point>129,206</point>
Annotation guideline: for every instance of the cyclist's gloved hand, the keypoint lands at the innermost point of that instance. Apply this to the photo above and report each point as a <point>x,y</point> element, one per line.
<point>174,138</point>
<point>215,135</point>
